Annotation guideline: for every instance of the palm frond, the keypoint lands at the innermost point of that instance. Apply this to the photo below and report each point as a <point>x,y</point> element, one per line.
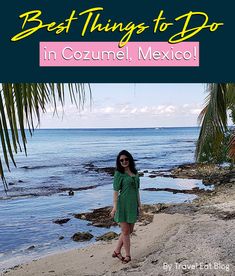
<point>21,106</point>
<point>214,121</point>
<point>232,147</point>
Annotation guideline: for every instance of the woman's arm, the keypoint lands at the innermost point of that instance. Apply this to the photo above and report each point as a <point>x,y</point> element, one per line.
<point>115,197</point>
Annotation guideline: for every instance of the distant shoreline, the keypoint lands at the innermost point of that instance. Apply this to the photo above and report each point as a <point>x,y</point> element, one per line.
<point>116,128</point>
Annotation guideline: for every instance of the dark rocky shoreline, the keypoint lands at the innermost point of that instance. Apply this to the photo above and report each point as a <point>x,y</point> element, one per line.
<point>209,174</point>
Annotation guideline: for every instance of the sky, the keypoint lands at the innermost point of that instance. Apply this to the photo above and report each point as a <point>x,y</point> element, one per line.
<point>130,105</point>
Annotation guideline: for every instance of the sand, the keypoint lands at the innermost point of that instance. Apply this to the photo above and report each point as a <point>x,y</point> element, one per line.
<point>185,239</point>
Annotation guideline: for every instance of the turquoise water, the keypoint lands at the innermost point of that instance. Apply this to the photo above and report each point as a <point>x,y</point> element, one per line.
<point>57,159</point>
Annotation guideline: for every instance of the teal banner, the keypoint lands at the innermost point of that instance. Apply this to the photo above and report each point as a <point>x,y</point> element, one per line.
<point>164,27</point>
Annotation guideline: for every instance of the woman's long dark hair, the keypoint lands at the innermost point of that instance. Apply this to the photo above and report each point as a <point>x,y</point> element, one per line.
<point>120,168</point>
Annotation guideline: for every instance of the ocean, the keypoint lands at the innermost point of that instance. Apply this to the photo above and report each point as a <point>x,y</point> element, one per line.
<point>62,159</point>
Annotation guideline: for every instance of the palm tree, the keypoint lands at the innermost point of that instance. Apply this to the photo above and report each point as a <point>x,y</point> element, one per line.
<point>21,105</point>
<point>216,142</point>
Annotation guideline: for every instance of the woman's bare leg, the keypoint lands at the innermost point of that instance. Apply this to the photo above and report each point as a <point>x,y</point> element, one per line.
<point>126,237</point>
<point>119,244</point>
<point>120,240</point>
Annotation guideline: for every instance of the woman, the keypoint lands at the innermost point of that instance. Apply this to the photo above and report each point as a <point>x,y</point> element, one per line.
<point>126,201</point>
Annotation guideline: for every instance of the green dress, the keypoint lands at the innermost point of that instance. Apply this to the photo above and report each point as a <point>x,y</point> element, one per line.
<point>127,203</point>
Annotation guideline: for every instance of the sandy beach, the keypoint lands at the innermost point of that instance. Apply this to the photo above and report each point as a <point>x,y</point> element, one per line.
<point>184,239</point>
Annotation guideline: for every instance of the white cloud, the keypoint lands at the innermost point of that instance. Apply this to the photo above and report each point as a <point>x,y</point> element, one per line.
<point>195,111</point>
<point>144,109</point>
<point>134,110</point>
<point>170,109</point>
<point>107,109</point>
<point>136,115</point>
<point>127,109</point>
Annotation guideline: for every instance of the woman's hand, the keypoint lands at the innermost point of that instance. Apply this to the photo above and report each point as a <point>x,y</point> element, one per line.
<point>112,213</point>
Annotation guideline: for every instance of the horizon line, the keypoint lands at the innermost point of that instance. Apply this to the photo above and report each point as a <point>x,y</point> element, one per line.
<point>154,127</point>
